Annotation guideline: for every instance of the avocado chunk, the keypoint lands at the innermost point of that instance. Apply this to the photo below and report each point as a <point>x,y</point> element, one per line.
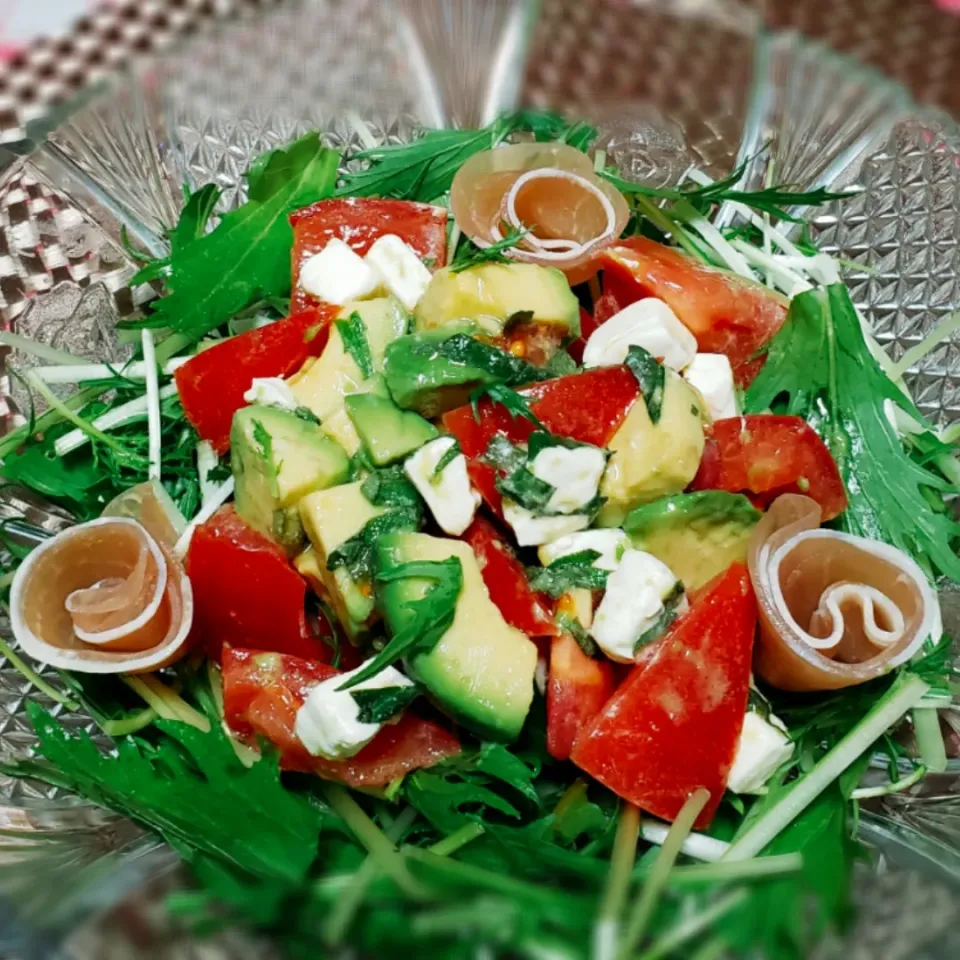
<point>491,293</point>
<point>434,371</point>
<point>697,535</point>
<point>481,671</point>
<point>277,459</point>
<point>387,432</point>
<point>321,386</point>
<point>653,460</point>
<point>331,517</point>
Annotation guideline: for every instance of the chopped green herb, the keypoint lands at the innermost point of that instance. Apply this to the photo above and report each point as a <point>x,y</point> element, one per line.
<point>470,255</point>
<point>262,438</point>
<point>567,573</point>
<point>449,455</point>
<point>305,413</point>
<point>526,489</point>
<point>514,403</point>
<point>390,487</point>
<point>504,366</point>
<point>651,376</point>
<point>561,364</point>
<point>384,703</point>
<point>570,624</point>
<point>357,555</point>
<point>503,455</point>
<point>670,612</point>
<point>431,615</point>
<point>353,332</point>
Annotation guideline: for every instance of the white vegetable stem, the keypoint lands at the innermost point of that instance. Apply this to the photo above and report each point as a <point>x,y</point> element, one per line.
<point>884,715</point>
<point>697,845</point>
<point>224,492</point>
<point>930,745</point>
<point>42,350</point>
<point>83,372</point>
<point>153,404</point>
<point>207,460</point>
<point>129,412</point>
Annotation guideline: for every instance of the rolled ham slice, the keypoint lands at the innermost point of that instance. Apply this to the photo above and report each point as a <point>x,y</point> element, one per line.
<point>550,189</point>
<point>103,597</point>
<point>835,610</point>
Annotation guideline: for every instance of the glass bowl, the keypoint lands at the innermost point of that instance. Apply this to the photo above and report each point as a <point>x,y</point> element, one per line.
<point>670,84</point>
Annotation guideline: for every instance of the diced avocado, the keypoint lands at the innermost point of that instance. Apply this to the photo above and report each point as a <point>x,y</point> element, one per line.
<point>322,385</point>
<point>338,426</point>
<point>330,518</point>
<point>308,565</point>
<point>277,459</point>
<point>387,432</point>
<point>653,460</point>
<point>697,535</point>
<point>481,671</point>
<point>435,370</point>
<point>491,293</point>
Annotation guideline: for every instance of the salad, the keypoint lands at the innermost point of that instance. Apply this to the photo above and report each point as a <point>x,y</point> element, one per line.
<point>486,555</point>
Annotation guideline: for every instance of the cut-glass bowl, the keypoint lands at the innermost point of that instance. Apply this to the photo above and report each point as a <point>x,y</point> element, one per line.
<point>670,83</point>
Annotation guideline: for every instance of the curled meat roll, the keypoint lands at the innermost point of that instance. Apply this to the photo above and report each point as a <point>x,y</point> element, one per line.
<point>836,610</point>
<point>106,596</point>
<point>548,189</point>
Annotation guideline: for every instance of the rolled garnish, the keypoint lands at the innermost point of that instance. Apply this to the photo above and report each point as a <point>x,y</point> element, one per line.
<point>836,610</point>
<point>550,192</point>
<point>106,596</point>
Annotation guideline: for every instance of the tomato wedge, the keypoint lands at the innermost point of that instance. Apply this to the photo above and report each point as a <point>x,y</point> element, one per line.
<point>212,384</point>
<point>245,591</point>
<point>726,313</point>
<point>262,693</point>
<point>359,221</point>
<point>506,581</point>
<point>764,456</point>
<point>587,406</point>
<point>578,687</point>
<point>674,724</point>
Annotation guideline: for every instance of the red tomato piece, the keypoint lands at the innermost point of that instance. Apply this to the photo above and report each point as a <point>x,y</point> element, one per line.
<point>359,221</point>
<point>212,384</point>
<point>506,581</point>
<point>245,591</point>
<point>262,693</point>
<point>578,687</point>
<point>764,456</point>
<point>587,406</point>
<point>726,313</point>
<point>674,724</point>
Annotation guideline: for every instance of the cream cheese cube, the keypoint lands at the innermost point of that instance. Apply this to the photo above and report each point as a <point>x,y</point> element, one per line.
<point>328,724</point>
<point>271,392</point>
<point>573,473</point>
<point>532,530</point>
<point>611,544</point>
<point>337,275</point>
<point>712,376</point>
<point>648,323</point>
<point>402,270</point>
<point>450,497</point>
<point>632,603</point>
<point>763,748</point>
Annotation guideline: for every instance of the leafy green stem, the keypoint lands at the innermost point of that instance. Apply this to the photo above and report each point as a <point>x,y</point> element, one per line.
<point>684,931</point>
<point>28,673</point>
<point>618,883</point>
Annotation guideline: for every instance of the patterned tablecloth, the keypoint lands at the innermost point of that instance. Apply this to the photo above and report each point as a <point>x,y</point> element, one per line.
<point>51,48</point>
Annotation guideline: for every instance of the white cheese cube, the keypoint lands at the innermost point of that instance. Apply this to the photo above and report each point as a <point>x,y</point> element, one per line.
<point>337,275</point>
<point>763,748</point>
<point>402,270</point>
<point>650,324</point>
<point>451,499</point>
<point>632,603</point>
<point>712,376</point>
<point>328,724</point>
<point>610,544</point>
<point>574,473</point>
<point>532,530</point>
<point>271,392</point>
